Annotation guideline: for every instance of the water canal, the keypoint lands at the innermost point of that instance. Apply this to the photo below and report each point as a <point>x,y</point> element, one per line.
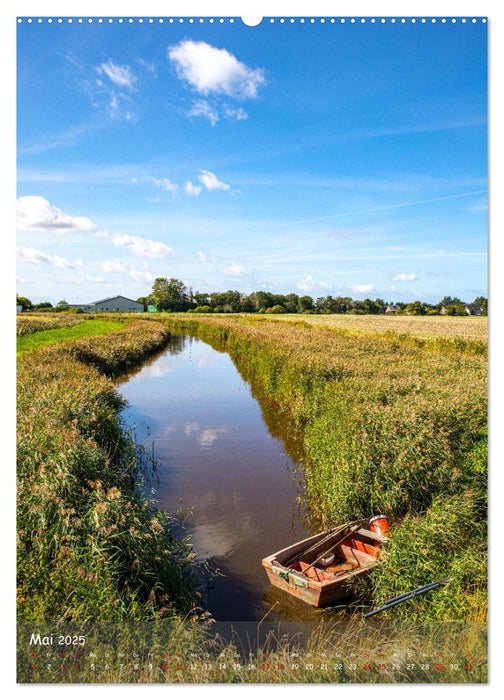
<point>230,461</point>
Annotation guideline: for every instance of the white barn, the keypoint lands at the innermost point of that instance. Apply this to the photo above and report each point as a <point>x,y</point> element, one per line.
<point>118,303</point>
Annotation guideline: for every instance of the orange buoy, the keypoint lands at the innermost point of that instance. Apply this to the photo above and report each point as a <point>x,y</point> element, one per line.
<point>380,524</point>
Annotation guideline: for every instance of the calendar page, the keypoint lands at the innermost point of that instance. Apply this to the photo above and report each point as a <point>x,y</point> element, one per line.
<point>251,349</point>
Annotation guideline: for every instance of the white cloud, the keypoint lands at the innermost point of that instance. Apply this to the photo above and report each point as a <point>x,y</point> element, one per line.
<point>235,270</point>
<point>164,183</point>
<point>308,284</point>
<point>204,258</point>
<point>142,247</point>
<point>35,213</point>
<point>95,280</point>
<point>36,256</point>
<point>192,189</point>
<point>202,108</point>
<point>208,436</point>
<point>362,288</point>
<point>208,69</point>
<point>239,114</point>
<point>404,277</point>
<point>114,266</point>
<point>211,181</point>
<point>144,276</point>
<point>121,76</point>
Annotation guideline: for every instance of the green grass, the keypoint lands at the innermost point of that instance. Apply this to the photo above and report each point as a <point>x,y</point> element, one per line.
<point>393,428</point>
<point>32,341</point>
<point>90,545</point>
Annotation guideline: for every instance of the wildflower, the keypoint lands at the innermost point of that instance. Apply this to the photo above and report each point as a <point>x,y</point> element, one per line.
<point>113,494</point>
<point>156,525</point>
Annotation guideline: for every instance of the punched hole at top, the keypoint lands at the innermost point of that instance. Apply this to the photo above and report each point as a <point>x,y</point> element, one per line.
<point>251,21</point>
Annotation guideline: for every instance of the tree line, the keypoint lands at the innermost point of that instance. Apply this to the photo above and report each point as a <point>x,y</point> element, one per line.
<point>173,295</point>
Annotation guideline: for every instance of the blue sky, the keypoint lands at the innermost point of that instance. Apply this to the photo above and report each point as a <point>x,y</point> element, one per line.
<point>320,158</point>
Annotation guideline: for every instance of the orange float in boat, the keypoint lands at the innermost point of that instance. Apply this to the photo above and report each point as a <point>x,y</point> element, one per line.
<point>380,524</point>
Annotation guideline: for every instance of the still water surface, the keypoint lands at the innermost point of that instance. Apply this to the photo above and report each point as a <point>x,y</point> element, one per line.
<point>226,458</point>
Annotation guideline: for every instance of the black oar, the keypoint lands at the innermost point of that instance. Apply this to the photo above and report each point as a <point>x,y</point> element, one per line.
<point>406,596</point>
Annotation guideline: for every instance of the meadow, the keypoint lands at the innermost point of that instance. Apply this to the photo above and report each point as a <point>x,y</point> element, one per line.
<point>388,425</point>
<point>90,546</point>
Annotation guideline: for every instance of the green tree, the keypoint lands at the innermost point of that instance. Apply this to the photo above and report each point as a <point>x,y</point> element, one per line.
<point>277,309</point>
<point>44,305</point>
<point>24,302</point>
<point>169,295</point>
<point>145,301</point>
<point>483,302</point>
<point>416,308</point>
<point>305,304</point>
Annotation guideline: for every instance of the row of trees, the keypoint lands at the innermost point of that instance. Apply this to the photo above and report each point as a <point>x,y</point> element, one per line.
<point>173,295</point>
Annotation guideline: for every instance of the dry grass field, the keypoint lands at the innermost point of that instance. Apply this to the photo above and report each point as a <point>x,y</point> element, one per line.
<point>471,328</point>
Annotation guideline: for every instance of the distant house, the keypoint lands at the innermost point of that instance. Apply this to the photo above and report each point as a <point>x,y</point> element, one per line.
<point>470,309</point>
<point>19,308</point>
<point>391,309</point>
<point>118,303</point>
<point>473,310</point>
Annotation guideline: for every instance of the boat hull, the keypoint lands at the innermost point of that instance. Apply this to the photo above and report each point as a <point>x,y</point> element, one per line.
<point>356,555</point>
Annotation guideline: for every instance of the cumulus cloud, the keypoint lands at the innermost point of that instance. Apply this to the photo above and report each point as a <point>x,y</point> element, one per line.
<point>36,256</point>
<point>209,70</point>
<point>121,76</point>
<point>235,270</point>
<point>362,288</point>
<point>164,183</point>
<point>308,284</point>
<point>211,181</point>
<point>35,213</point>
<point>142,247</point>
<point>202,108</point>
<point>404,277</point>
<point>192,189</point>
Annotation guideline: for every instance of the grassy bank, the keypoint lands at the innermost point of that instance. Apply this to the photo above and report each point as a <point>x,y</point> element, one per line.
<point>89,545</point>
<point>388,427</point>
<point>32,335</point>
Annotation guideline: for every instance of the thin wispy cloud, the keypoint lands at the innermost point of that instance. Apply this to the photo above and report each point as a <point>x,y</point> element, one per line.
<point>32,255</point>
<point>142,247</point>
<point>202,108</point>
<point>140,276</point>
<point>164,183</point>
<point>205,258</point>
<point>234,270</point>
<point>404,277</point>
<point>191,189</point>
<point>120,76</point>
<point>212,182</point>
<point>308,284</point>
<point>362,288</point>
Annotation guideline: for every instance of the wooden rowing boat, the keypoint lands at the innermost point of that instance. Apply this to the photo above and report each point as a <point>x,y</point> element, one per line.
<point>309,571</point>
